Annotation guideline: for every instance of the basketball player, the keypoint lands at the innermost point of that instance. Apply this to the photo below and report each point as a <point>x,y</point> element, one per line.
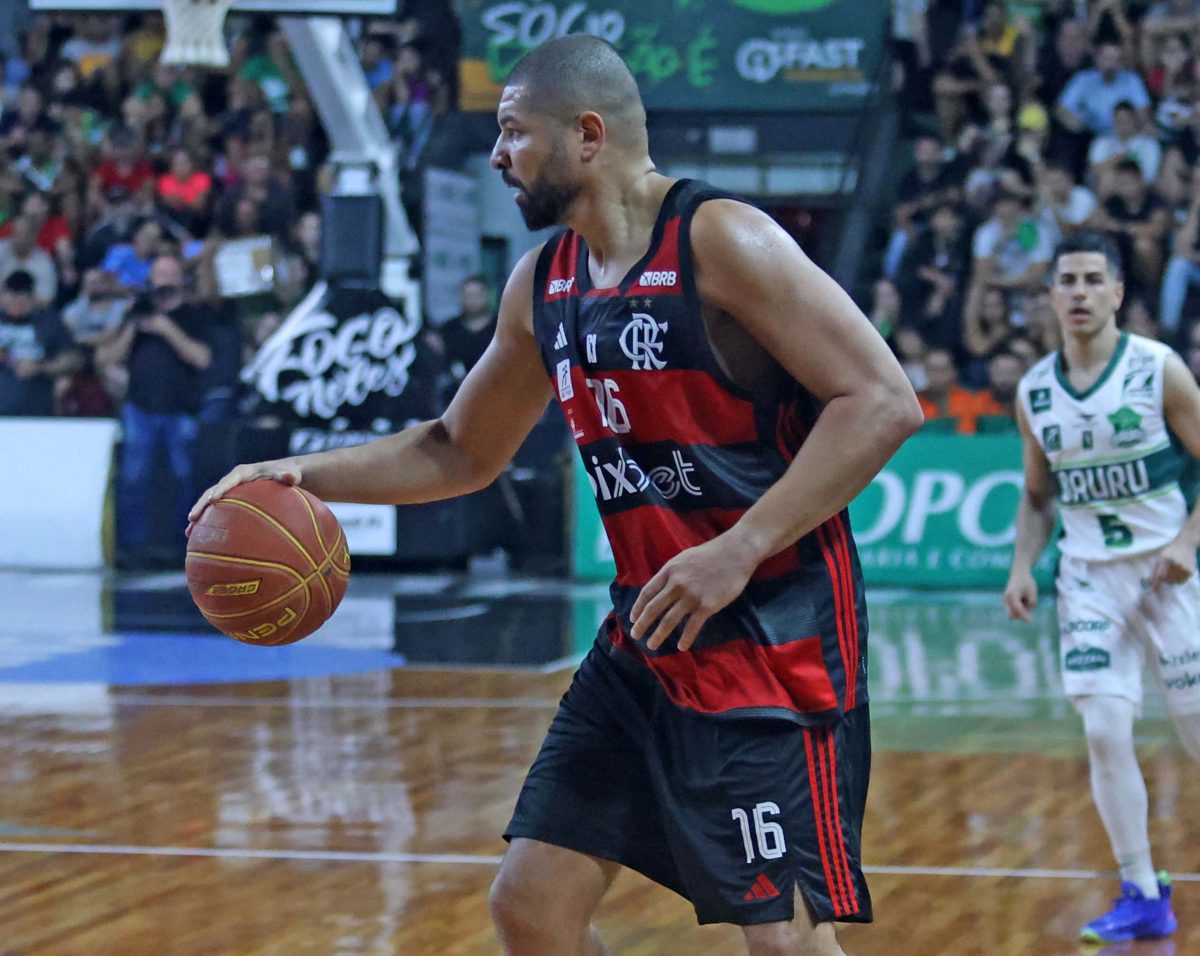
<point>729,401</point>
<point>1099,418</point>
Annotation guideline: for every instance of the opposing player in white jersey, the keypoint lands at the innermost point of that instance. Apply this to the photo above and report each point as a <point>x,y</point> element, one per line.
<point>1102,420</point>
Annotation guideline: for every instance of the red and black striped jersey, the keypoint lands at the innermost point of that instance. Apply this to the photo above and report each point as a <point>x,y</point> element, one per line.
<point>675,452</point>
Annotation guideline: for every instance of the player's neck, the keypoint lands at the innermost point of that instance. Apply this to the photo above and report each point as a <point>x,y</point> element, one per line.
<point>1092,349</point>
<point>616,220</point>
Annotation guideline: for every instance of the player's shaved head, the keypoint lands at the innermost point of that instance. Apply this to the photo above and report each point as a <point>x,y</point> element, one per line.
<point>580,73</point>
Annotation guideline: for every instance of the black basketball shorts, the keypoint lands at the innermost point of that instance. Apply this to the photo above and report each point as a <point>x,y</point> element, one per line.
<point>732,814</point>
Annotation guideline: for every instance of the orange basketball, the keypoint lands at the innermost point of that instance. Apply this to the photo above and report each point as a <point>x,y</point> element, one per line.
<point>267,564</point>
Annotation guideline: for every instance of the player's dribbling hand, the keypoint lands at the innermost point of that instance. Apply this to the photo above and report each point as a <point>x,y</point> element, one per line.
<point>1174,565</point>
<point>284,470</point>
<point>695,584</point>
<point>1021,596</point>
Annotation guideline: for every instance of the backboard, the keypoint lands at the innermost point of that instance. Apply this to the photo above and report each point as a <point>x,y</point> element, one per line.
<point>282,7</point>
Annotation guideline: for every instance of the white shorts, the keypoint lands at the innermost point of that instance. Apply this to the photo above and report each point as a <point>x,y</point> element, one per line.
<point>1109,622</point>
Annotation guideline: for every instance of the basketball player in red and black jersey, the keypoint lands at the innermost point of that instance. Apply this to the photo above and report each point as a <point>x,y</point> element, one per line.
<point>729,401</point>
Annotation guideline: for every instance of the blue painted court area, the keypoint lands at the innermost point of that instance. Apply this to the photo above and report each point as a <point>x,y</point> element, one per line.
<point>109,630</point>
<point>174,659</point>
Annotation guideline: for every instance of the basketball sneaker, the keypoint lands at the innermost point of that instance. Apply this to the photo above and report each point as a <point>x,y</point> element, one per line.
<point>1134,917</point>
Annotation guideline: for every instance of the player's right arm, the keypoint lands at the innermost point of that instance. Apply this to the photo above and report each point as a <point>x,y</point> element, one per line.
<point>493,411</point>
<point>1035,524</point>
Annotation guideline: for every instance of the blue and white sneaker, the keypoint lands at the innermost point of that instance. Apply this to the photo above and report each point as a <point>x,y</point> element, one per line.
<point>1134,917</point>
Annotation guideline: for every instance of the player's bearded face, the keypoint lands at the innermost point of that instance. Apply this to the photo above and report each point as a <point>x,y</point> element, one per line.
<point>545,199</point>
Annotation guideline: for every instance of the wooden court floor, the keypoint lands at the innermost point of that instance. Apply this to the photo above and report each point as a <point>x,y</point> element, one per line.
<point>361,813</point>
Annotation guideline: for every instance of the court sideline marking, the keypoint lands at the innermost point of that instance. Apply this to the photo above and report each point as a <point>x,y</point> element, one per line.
<point>458,859</point>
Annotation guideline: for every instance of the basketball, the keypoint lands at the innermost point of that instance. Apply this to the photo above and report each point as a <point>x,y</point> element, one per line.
<point>267,564</point>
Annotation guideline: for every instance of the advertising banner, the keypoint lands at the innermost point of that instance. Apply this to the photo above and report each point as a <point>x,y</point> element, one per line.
<point>343,369</point>
<point>794,55</point>
<point>941,514</point>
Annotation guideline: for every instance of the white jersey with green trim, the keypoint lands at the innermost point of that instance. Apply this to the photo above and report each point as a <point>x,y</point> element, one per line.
<point>1115,464</point>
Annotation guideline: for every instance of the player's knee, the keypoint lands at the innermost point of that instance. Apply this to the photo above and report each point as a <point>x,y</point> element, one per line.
<point>1107,725</point>
<point>525,917</point>
<point>512,906</point>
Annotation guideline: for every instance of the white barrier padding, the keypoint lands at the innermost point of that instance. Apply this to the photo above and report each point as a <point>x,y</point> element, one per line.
<point>54,476</point>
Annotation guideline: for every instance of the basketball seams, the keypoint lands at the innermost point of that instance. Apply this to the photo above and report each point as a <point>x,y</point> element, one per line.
<point>230,559</point>
<point>312,514</point>
<point>278,525</point>
<point>332,571</point>
<point>275,523</point>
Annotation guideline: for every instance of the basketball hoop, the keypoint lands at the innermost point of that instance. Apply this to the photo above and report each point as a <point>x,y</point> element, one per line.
<point>194,32</point>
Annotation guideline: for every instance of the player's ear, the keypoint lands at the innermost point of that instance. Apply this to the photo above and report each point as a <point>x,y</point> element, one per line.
<point>592,134</point>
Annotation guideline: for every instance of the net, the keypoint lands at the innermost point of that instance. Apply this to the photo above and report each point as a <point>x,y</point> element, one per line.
<point>194,32</point>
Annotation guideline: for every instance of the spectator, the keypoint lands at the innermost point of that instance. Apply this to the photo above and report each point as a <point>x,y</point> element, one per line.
<point>43,159</point>
<point>96,47</point>
<point>995,52</point>
<point>130,262</point>
<point>261,55</point>
<point>1009,252</point>
<point>461,342</point>
<point>990,149</point>
<point>1171,80</point>
<point>1024,348</point>
<point>997,402</point>
<point>275,202</point>
<point>1063,205</point>
<point>1065,55</point>
<point>126,167</point>
<point>910,350</point>
<point>1123,143</point>
<point>18,121</point>
<point>1087,103</point>
<point>168,81</point>
<point>885,308</point>
<point>1183,269</point>
<point>1138,222</point>
<point>98,309</point>
<point>376,60</point>
<point>943,400</point>
<point>116,225</point>
<point>184,193</point>
<point>53,234</point>
<point>1041,325</point>
<point>1137,317</point>
<point>35,350</point>
<point>20,252</point>
<point>164,344</point>
<point>986,323</point>
<point>408,102</point>
<point>1167,18</point>
<point>933,274</point>
<point>929,183</point>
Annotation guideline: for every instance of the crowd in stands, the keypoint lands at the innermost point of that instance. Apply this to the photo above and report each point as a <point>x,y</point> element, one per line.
<point>1027,121</point>
<point>126,188</point>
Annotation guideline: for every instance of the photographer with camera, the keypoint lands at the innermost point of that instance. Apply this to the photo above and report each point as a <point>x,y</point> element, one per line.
<point>164,345</point>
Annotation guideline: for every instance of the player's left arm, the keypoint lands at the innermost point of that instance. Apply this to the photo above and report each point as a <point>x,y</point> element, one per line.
<point>748,267</point>
<point>1181,408</point>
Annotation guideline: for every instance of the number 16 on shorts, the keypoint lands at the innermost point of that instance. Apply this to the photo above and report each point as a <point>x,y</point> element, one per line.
<point>767,837</point>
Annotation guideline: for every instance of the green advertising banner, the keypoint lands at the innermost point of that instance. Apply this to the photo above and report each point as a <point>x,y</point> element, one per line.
<point>940,515</point>
<point>791,55</point>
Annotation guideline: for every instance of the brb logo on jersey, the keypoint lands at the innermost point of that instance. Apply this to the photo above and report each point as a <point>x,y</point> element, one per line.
<point>642,343</point>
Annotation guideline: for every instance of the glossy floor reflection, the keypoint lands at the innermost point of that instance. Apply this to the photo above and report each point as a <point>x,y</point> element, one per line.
<point>164,790</point>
